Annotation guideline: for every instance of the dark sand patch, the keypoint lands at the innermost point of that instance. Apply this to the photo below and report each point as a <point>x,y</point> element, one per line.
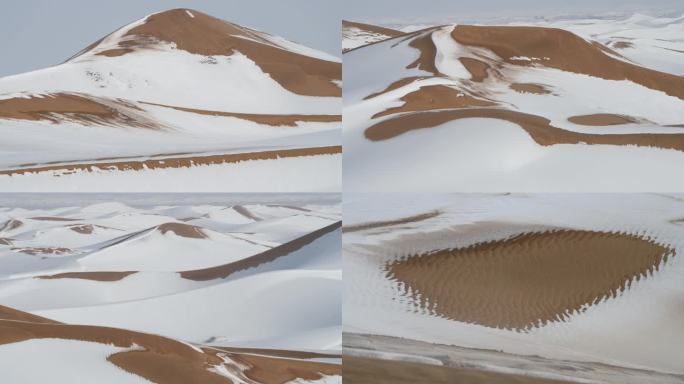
<point>223,271</point>
<point>273,120</point>
<point>539,128</point>
<point>279,353</point>
<point>537,89</point>
<point>52,218</point>
<point>622,44</point>
<point>182,230</point>
<point>79,108</point>
<point>478,69</point>
<point>362,370</point>
<point>5,241</point>
<point>560,49</point>
<point>84,229</point>
<point>245,212</point>
<point>389,223</point>
<point>432,97</point>
<point>178,162</point>
<point>527,280</point>
<point>95,276</point>
<point>43,250</point>
<point>10,225</point>
<point>209,36</point>
<point>601,119</point>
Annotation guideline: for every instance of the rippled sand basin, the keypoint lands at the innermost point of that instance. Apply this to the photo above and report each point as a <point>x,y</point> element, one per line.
<point>527,280</point>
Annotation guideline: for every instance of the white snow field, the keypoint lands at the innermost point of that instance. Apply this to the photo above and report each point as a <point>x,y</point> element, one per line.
<point>636,330</point>
<point>171,88</point>
<point>531,113</point>
<point>220,273</point>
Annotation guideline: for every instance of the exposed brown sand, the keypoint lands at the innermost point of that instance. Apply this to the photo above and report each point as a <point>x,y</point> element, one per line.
<point>601,119</point>
<point>43,250</point>
<point>74,107</point>
<point>276,370</point>
<point>5,241</point>
<point>162,360</point>
<point>10,225</point>
<point>178,162</point>
<point>223,271</point>
<point>478,69</point>
<point>7,313</point>
<point>245,212</point>
<point>389,223</point>
<point>428,52</point>
<point>622,44</point>
<point>537,89</point>
<point>539,128</point>
<point>565,51</point>
<point>273,120</point>
<point>432,97</point>
<point>362,370</point>
<point>208,36</point>
<point>95,276</point>
<point>527,280</point>
<point>84,229</point>
<point>53,218</point>
<point>183,230</point>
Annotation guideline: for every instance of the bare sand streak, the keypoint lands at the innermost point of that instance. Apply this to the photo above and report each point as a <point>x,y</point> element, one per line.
<point>527,280</point>
<point>539,128</point>
<point>389,223</point>
<point>223,271</point>
<point>178,162</point>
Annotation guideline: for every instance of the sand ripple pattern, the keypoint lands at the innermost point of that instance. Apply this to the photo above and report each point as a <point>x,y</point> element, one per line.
<point>527,280</point>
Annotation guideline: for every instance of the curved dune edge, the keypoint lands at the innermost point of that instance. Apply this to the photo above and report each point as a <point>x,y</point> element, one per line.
<point>601,119</point>
<point>282,250</point>
<point>178,162</point>
<point>432,97</point>
<point>528,280</point>
<point>427,52</point>
<point>182,230</point>
<point>245,212</point>
<point>167,361</point>
<point>478,69</point>
<point>372,28</point>
<point>361,370</point>
<point>566,51</point>
<point>273,120</point>
<point>539,128</point>
<point>389,223</point>
<point>76,107</point>
<point>208,36</point>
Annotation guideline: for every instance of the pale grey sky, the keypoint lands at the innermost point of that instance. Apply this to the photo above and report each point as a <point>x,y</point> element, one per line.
<point>425,11</point>
<point>36,34</point>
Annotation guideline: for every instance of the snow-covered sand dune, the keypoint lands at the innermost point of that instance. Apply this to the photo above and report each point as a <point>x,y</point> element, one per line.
<point>563,106</point>
<point>248,289</point>
<point>174,96</point>
<point>590,279</point>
